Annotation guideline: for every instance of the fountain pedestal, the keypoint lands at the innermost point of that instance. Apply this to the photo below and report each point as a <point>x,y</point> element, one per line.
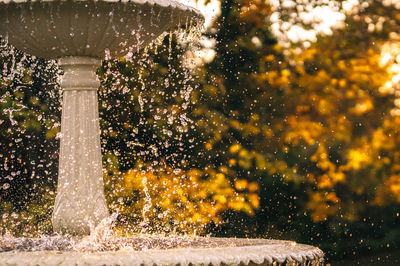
<point>80,202</point>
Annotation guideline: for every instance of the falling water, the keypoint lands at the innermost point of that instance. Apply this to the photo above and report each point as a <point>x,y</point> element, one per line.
<point>22,89</point>
<point>153,152</point>
<point>146,104</point>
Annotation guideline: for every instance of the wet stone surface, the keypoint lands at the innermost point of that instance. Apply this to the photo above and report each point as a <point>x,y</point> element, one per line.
<point>154,250</point>
<point>115,243</point>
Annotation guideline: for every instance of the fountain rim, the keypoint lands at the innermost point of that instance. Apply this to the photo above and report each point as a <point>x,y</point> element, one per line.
<point>259,253</point>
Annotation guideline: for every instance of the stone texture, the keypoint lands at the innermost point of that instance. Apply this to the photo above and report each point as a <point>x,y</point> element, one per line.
<point>80,203</point>
<point>199,251</point>
<point>55,29</point>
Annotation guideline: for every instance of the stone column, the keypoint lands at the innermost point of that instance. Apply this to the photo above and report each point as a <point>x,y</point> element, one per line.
<point>80,202</point>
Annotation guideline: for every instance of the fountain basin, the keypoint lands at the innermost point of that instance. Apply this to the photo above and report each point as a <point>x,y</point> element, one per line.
<point>60,28</point>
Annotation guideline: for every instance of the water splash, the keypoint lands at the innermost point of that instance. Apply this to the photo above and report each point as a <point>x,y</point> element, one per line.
<point>156,142</point>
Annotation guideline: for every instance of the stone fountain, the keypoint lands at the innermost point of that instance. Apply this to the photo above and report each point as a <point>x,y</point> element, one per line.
<point>79,34</point>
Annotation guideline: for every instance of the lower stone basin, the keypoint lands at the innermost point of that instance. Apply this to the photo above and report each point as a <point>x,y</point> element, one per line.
<point>148,250</point>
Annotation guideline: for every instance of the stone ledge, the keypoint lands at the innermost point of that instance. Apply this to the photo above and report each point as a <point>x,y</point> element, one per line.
<point>230,252</point>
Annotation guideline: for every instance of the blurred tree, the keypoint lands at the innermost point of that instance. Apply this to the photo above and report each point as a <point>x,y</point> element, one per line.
<point>315,122</point>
